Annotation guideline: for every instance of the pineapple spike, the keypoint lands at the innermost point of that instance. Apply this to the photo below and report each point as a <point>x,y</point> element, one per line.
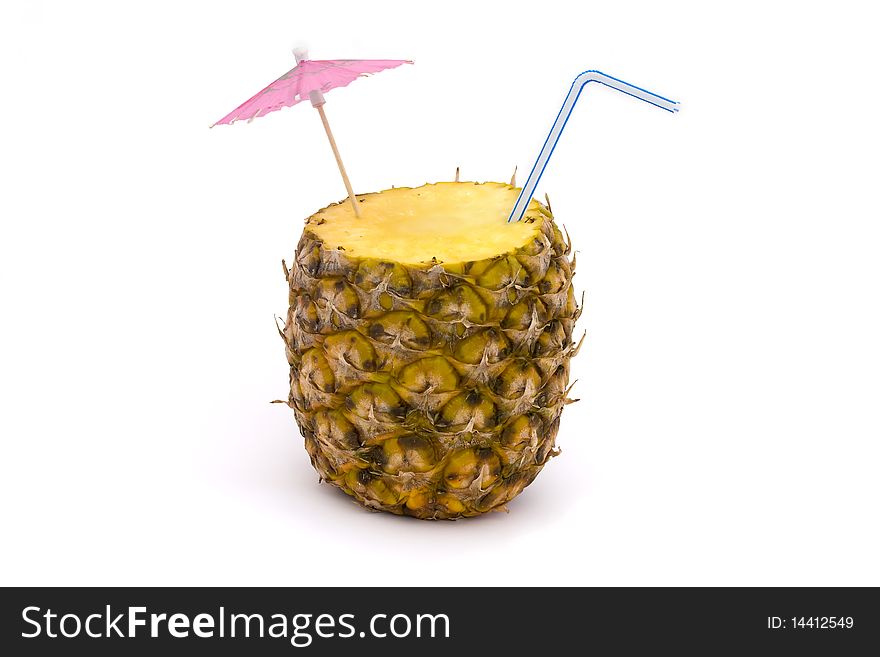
<point>457,172</point>
<point>580,309</point>
<point>513,177</point>
<point>280,328</point>
<point>574,352</point>
<point>547,198</point>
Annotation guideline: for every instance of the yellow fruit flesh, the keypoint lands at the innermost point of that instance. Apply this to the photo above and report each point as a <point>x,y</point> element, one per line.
<point>449,222</point>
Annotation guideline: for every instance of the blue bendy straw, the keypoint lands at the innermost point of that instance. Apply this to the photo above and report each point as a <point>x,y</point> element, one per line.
<point>525,196</point>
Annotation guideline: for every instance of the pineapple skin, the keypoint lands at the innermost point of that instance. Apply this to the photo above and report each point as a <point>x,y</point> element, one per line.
<point>433,391</point>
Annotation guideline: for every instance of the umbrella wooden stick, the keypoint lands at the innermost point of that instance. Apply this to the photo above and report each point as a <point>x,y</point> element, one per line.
<point>354,203</point>
<point>317,99</point>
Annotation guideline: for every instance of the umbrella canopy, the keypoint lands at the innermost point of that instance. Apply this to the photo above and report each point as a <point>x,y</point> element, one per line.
<point>309,75</point>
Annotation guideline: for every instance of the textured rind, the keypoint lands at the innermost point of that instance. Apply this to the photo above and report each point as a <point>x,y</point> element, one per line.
<point>433,391</point>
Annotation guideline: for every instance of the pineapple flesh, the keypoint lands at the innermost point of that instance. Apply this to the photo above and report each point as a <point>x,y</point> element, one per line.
<point>429,344</point>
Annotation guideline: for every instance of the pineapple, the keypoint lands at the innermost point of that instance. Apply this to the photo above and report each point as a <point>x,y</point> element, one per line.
<point>429,345</point>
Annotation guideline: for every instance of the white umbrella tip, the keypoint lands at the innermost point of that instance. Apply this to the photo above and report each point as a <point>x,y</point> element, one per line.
<point>301,52</point>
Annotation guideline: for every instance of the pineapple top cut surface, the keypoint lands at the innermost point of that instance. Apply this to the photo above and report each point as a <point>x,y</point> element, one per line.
<point>450,222</point>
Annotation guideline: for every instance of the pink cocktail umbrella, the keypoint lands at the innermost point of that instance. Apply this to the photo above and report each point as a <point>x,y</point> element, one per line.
<point>309,79</point>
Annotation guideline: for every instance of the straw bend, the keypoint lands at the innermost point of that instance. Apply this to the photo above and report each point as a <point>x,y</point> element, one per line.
<point>525,195</point>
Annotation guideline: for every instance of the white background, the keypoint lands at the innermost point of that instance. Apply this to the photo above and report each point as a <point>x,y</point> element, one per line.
<point>729,422</point>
